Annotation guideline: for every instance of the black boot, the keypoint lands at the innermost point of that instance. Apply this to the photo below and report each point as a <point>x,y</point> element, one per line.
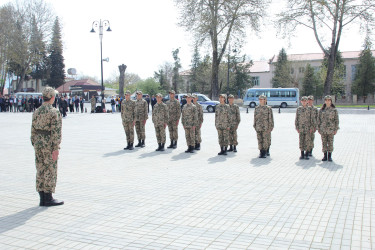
<point>302,155</point>
<point>159,146</point>
<point>225,150</point>
<point>139,144</point>
<point>263,154</point>
<point>325,157</point>
<point>268,152</point>
<point>230,148</point>
<point>143,144</point>
<point>131,146</point>
<point>221,151</point>
<point>127,147</point>
<point>162,147</point>
<point>329,156</point>
<point>41,195</point>
<point>307,155</point>
<point>197,146</point>
<point>310,152</point>
<point>188,150</point>
<point>191,149</point>
<point>171,146</point>
<point>175,144</point>
<point>260,154</point>
<point>50,201</point>
<point>235,148</point>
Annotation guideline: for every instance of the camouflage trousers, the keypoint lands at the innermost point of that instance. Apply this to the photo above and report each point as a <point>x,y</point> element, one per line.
<point>140,129</point>
<point>129,131</point>
<point>305,141</point>
<point>198,138</point>
<point>160,133</point>
<point>190,136</point>
<point>264,140</point>
<point>327,141</point>
<point>46,171</point>
<point>93,107</point>
<point>223,137</point>
<point>173,131</point>
<point>232,137</point>
<point>312,140</point>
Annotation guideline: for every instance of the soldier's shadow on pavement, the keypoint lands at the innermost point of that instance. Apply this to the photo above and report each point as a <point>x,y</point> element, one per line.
<point>331,166</point>
<point>218,158</point>
<point>307,164</point>
<point>181,156</point>
<point>120,152</point>
<point>258,162</point>
<point>154,153</point>
<point>12,221</point>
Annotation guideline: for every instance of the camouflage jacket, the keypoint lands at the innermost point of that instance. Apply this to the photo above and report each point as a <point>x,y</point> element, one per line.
<point>128,111</point>
<point>234,115</point>
<point>174,110</point>
<point>160,114</point>
<point>303,119</point>
<point>141,110</point>
<point>46,128</point>
<point>93,100</point>
<point>222,116</point>
<point>314,117</point>
<point>189,115</point>
<point>263,118</point>
<point>328,120</point>
<point>200,114</point>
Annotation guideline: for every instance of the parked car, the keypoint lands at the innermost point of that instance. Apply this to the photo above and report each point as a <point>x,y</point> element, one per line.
<point>207,103</point>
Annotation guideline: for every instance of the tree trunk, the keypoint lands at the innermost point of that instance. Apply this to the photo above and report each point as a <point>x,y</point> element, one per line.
<point>330,70</point>
<point>215,76</point>
<point>22,78</point>
<point>121,84</point>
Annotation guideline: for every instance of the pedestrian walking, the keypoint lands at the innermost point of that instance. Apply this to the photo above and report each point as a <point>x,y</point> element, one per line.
<point>174,114</point>
<point>113,105</point>
<point>46,138</point>
<point>76,103</point>
<point>141,116</point>
<point>81,103</point>
<point>222,124</point>
<point>198,137</point>
<point>304,127</point>
<point>314,121</point>
<point>328,125</point>
<point>234,121</point>
<point>189,121</point>
<point>128,119</point>
<point>263,125</point>
<point>63,106</point>
<point>160,119</point>
<point>153,101</point>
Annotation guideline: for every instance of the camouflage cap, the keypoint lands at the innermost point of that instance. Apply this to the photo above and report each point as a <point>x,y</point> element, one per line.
<point>223,95</point>
<point>310,97</point>
<point>262,97</point>
<point>158,95</point>
<point>49,92</point>
<point>172,92</point>
<point>304,98</point>
<point>328,97</point>
<point>230,96</point>
<point>127,92</point>
<point>139,92</point>
<point>195,96</point>
<point>189,95</point>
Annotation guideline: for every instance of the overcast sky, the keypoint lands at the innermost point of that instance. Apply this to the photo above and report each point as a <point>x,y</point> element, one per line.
<point>145,32</point>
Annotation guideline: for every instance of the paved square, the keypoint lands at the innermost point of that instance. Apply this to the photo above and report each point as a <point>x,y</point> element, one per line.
<point>144,199</point>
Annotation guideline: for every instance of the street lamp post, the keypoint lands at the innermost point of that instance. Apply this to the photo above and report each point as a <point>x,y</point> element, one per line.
<point>100,25</point>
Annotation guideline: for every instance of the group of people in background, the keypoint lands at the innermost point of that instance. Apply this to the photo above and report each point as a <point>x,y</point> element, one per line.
<point>22,104</point>
<point>68,103</point>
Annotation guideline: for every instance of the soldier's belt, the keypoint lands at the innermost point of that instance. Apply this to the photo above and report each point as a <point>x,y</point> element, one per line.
<point>42,132</point>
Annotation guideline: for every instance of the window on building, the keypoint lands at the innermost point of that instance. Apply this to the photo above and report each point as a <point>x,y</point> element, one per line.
<point>354,72</point>
<point>344,73</point>
<point>255,80</point>
<point>301,70</point>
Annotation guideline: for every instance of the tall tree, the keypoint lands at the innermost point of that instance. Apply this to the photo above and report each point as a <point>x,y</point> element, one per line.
<point>56,58</point>
<point>310,82</point>
<point>282,77</point>
<point>323,18</point>
<point>218,21</point>
<point>176,68</point>
<point>122,69</point>
<point>338,78</point>
<point>164,76</point>
<point>364,82</point>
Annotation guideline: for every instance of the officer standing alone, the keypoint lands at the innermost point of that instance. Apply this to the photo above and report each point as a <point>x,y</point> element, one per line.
<point>46,138</point>
<point>160,119</point>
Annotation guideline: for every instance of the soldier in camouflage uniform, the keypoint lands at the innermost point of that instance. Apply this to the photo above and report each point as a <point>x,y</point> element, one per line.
<point>174,112</point>
<point>141,115</point>
<point>263,125</point>
<point>314,121</point>
<point>222,124</point>
<point>328,124</point>
<point>46,138</point>
<point>93,103</point>
<point>189,121</point>
<point>304,128</point>
<point>198,138</point>
<point>234,119</point>
<point>128,116</point>
<point>160,119</point>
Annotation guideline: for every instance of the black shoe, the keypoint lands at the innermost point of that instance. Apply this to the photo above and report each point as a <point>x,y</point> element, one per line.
<point>191,149</point>
<point>330,156</point>
<point>235,148</point>
<point>131,146</point>
<point>127,147</point>
<point>263,154</point>
<point>171,146</point>
<point>225,150</point>
<point>197,146</point>
<point>143,144</point>
<point>139,144</point>
<point>302,155</point>
<point>158,149</point>
<point>187,150</point>
<point>310,152</point>
<point>325,157</point>
<point>230,148</point>
<point>268,152</point>
<point>50,201</point>
<point>162,147</point>
<point>221,151</point>
<point>175,144</point>
<point>41,195</point>
<point>307,155</point>
<point>260,154</point>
